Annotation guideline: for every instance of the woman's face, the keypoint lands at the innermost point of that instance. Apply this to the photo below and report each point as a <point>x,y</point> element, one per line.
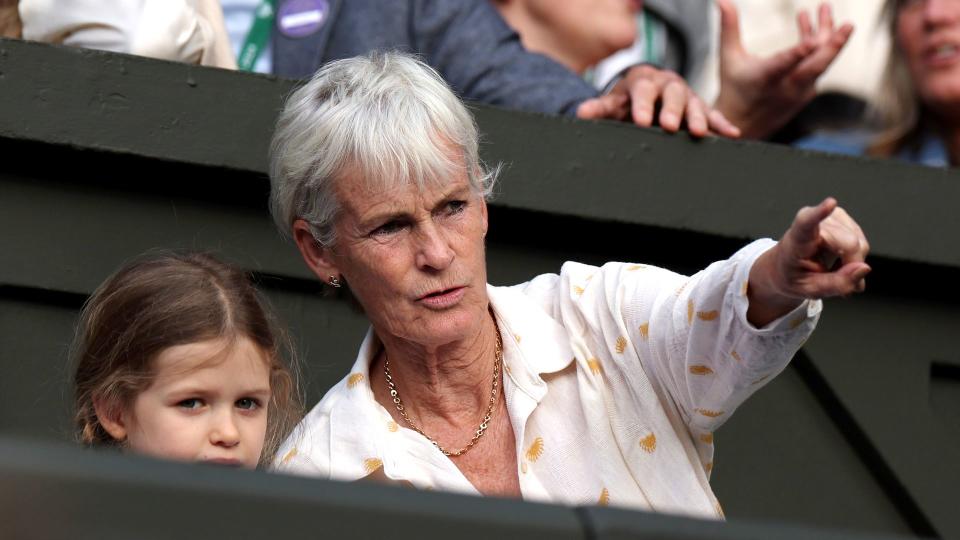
<point>414,259</point>
<point>928,33</point>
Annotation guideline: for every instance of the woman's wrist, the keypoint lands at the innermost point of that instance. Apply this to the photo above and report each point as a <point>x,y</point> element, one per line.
<point>767,300</point>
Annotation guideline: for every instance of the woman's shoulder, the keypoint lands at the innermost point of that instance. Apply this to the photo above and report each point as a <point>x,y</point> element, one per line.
<point>584,285</point>
<point>306,450</point>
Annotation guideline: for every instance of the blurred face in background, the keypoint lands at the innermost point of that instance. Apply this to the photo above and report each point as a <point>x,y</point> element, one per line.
<point>928,33</point>
<point>578,33</point>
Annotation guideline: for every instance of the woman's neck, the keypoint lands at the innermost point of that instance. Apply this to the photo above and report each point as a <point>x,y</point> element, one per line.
<point>447,384</point>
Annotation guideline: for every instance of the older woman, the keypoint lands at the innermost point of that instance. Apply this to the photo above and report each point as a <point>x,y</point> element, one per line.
<point>594,385</point>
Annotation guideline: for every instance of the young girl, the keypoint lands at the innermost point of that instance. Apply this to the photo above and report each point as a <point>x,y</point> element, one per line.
<point>177,357</point>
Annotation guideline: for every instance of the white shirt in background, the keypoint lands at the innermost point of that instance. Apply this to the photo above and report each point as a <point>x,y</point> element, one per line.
<point>181,30</point>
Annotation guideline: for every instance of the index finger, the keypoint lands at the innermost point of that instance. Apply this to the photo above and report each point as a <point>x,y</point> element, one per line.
<point>806,225</point>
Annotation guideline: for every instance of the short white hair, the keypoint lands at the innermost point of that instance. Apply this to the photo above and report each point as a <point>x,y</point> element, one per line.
<point>386,118</point>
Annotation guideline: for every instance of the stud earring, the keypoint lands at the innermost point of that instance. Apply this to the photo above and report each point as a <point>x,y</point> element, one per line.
<point>334,281</point>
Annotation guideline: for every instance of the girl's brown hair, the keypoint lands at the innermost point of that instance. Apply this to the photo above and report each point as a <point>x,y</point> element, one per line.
<point>165,299</point>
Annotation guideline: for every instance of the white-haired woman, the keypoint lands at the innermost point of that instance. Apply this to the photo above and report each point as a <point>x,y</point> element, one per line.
<point>594,385</point>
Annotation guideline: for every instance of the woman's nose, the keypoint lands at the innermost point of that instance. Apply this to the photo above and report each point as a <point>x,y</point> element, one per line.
<point>433,249</point>
<point>224,431</point>
<point>941,11</point>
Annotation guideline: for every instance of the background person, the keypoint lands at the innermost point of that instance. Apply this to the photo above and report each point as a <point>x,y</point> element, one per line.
<point>189,31</point>
<point>597,385</point>
<point>177,357</point>
<point>918,111</point>
<point>9,19</point>
<point>481,58</point>
<point>576,33</point>
<point>757,94</point>
<point>920,106</point>
<point>673,35</point>
<point>762,94</point>
<point>769,27</point>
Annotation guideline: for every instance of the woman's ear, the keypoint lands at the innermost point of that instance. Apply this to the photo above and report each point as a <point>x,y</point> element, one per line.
<point>111,417</point>
<point>317,257</point>
<point>483,213</point>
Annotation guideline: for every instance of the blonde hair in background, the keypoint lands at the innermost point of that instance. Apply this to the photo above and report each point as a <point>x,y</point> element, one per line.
<point>898,108</point>
<point>164,299</point>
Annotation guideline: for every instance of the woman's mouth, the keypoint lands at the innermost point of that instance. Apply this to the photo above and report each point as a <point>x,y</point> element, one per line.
<point>443,299</point>
<point>941,55</point>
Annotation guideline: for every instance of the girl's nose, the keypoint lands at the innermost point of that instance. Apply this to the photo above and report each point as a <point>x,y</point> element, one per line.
<point>224,431</point>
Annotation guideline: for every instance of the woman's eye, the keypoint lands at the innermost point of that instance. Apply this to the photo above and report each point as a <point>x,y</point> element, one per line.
<point>455,207</point>
<point>388,228</point>
<point>191,403</point>
<point>247,404</point>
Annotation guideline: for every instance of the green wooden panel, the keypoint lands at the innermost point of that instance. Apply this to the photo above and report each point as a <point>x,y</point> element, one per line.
<point>780,457</point>
<point>34,377</point>
<point>62,493</point>
<point>876,356</point>
<point>617,524</point>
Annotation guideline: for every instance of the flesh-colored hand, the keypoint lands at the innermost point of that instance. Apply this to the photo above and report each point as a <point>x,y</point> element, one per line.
<point>637,94</point>
<point>760,95</point>
<point>821,255</point>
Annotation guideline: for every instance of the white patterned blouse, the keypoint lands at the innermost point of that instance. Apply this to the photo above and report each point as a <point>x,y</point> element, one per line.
<point>615,379</point>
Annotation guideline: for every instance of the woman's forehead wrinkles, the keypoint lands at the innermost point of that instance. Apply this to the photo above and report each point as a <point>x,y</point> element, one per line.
<point>366,201</point>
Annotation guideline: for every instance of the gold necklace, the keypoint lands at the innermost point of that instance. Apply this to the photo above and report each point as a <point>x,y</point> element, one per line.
<point>395,394</point>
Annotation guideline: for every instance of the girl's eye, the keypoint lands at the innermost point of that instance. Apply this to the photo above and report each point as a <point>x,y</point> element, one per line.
<point>247,404</point>
<point>191,403</point>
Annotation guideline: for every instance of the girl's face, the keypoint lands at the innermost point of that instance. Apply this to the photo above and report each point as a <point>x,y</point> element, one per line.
<point>208,402</point>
